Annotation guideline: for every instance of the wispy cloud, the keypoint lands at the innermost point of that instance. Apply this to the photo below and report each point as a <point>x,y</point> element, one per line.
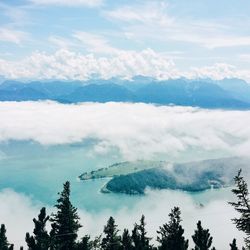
<point>17,17</point>
<point>212,41</point>
<point>12,36</point>
<point>147,13</point>
<point>151,20</point>
<point>71,3</point>
<point>95,43</point>
<point>61,42</point>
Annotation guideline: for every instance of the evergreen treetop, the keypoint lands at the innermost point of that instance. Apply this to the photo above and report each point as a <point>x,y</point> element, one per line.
<point>4,244</point>
<point>41,239</point>
<point>126,240</point>
<point>139,236</point>
<point>202,238</point>
<point>171,234</point>
<point>233,245</point>
<point>65,222</point>
<point>111,240</point>
<point>242,205</point>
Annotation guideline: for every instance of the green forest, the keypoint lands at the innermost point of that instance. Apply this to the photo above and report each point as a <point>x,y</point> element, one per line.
<point>65,224</point>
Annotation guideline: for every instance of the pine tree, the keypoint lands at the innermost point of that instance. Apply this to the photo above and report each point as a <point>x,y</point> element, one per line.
<point>136,237</point>
<point>4,244</point>
<point>41,239</point>
<point>111,241</point>
<point>233,245</point>
<point>202,238</point>
<point>139,236</point>
<point>96,243</point>
<point>65,223</point>
<point>171,234</point>
<point>84,244</point>
<point>126,240</point>
<point>242,205</point>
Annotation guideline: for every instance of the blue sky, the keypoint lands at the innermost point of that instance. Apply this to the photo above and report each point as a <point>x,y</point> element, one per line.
<point>76,39</point>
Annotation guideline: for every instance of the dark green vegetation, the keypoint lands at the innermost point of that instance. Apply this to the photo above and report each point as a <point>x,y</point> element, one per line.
<point>227,93</point>
<point>136,183</point>
<point>4,244</point>
<point>121,168</point>
<point>135,177</point>
<point>242,205</point>
<point>65,225</point>
<point>171,233</point>
<point>202,238</point>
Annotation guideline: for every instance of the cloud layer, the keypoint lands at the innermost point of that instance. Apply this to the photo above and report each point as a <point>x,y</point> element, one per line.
<point>216,216</point>
<point>68,65</point>
<point>137,130</point>
<point>73,3</point>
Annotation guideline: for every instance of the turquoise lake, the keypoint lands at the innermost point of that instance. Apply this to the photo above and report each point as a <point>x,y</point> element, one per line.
<point>39,171</point>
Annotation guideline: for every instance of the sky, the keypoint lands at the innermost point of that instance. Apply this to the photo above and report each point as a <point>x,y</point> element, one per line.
<point>82,39</point>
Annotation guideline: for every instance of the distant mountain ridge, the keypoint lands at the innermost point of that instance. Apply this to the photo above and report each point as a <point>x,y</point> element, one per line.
<point>227,93</point>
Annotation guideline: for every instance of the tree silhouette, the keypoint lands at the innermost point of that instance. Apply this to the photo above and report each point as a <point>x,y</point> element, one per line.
<point>111,241</point>
<point>4,244</point>
<point>233,245</point>
<point>65,223</point>
<point>242,205</point>
<point>126,240</point>
<point>139,236</point>
<point>171,234</point>
<point>41,239</point>
<point>202,238</point>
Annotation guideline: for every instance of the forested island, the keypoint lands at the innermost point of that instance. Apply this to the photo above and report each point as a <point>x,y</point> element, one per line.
<point>135,177</point>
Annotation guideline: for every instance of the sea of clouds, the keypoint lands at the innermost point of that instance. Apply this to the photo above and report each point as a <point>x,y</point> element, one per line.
<point>18,210</point>
<point>137,130</point>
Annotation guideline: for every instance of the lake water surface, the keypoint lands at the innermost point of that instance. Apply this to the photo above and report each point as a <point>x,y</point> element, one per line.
<point>39,172</point>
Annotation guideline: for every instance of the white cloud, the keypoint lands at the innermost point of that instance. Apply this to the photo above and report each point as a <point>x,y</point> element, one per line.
<point>11,35</point>
<point>137,130</point>
<point>149,20</point>
<point>156,205</point>
<point>92,43</point>
<point>65,64</point>
<point>209,39</point>
<point>17,207</point>
<point>60,42</point>
<point>218,71</point>
<point>95,43</point>
<point>74,3</point>
<point>17,15</point>
<point>154,12</point>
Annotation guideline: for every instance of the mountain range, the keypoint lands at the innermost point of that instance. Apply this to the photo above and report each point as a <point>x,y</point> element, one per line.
<point>205,93</point>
